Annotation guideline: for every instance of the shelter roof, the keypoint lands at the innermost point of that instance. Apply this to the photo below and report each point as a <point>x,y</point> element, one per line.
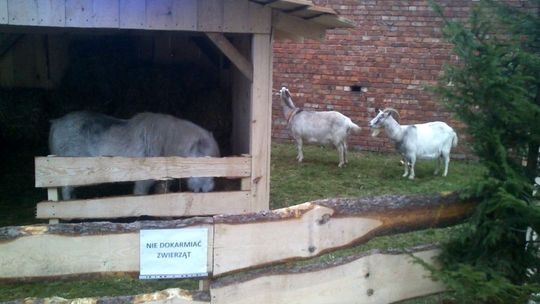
<point>308,11</point>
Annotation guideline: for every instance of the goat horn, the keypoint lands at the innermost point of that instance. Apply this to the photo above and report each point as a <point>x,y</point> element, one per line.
<point>392,110</point>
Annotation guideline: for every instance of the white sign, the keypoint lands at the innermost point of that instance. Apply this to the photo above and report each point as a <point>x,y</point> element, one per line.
<point>173,253</point>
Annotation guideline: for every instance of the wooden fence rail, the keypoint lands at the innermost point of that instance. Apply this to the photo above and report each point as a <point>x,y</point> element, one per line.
<point>75,171</point>
<point>239,246</point>
<point>370,277</point>
<point>52,172</point>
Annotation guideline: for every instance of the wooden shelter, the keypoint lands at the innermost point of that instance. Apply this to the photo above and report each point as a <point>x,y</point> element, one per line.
<point>34,54</point>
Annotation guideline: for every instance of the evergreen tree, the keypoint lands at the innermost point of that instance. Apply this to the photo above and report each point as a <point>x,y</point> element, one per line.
<point>494,89</point>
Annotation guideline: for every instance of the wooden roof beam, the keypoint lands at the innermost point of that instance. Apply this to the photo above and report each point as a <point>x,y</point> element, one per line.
<point>297,27</point>
<point>222,43</point>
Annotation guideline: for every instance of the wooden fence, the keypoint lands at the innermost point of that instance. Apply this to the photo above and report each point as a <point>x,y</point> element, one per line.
<point>247,252</point>
<point>54,172</point>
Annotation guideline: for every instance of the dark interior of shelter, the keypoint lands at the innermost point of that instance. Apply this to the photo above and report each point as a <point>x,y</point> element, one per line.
<point>45,76</point>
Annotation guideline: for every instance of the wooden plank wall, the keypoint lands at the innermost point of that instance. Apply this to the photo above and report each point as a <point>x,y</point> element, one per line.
<point>35,60</point>
<point>231,16</point>
<point>241,101</point>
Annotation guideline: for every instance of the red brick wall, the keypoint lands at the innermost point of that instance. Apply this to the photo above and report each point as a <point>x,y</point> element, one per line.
<point>395,50</point>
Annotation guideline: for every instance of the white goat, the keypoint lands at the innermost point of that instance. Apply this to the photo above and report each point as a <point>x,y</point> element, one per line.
<point>423,141</point>
<point>326,127</point>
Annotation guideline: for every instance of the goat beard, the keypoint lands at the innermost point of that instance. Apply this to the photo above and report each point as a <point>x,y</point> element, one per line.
<point>375,132</point>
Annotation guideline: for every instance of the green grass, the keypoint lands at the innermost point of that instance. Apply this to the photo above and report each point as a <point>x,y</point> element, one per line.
<point>318,176</point>
<point>291,183</point>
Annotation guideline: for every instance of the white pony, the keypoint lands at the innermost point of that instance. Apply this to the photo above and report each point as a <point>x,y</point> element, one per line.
<point>144,135</point>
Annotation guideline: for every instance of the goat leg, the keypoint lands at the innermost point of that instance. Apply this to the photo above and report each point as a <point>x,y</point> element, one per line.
<point>300,156</point>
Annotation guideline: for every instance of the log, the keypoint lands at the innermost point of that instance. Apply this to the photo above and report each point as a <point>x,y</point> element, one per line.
<point>371,277</point>
<point>63,251</point>
<point>313,228</point>
<point>236,242</point>
<point>171,295</point>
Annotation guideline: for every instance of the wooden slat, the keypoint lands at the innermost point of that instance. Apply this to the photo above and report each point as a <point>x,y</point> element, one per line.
<point>132,14</point>
<point>373,277</point>
<point>64,171</point>
<point>106,13</point>
<point>232,53</point>
<point>3,11</point>
<point>160,205</point>
<point>210,15</point>
<point>22,12</point>
<point>36,12</point>
<point>171,14</point>
<point>79,13</point>
<point>261,120</point>
<point>312,228</point>
<point>71,250</point>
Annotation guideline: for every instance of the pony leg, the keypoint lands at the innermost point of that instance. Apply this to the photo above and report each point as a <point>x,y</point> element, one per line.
<point>299,147</point>
<point>411,169</point>
<point>68,193</point>
<point>405,167</point>
<point>406,171</point>
<point>162,186</point>
<point>142,187</point>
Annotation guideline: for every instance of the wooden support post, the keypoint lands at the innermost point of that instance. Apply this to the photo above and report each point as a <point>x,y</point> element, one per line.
<point>52,195</point>
<point>204,285</point>
<point>245,184</point>
<point>261,112</point>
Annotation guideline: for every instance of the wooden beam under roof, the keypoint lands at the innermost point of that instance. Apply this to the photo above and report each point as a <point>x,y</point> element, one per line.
<point>317,15</point>
<point>222,43</point>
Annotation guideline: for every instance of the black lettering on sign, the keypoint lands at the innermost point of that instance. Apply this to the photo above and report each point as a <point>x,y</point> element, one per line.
<point>178,254</point>
<point>179,244</point>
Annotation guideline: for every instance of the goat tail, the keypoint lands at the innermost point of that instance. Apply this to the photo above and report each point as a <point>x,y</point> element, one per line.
<point>454,140</point>
<point>354,127</point>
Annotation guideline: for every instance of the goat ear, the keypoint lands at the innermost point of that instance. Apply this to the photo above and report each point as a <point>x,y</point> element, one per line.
<point>287,93</point>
